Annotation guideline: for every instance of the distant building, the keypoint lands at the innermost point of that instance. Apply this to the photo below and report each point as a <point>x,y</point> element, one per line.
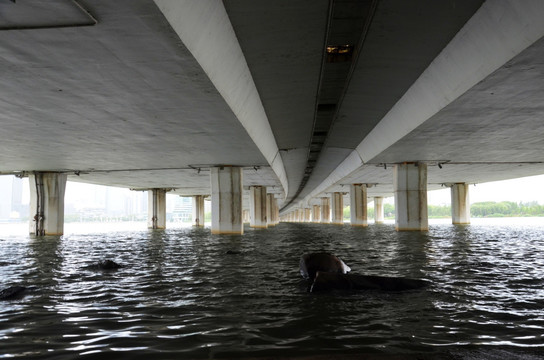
<point>183,209</point>
<point>11,197</point>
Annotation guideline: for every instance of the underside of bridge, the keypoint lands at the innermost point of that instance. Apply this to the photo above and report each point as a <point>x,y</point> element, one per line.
<point>306,97</point>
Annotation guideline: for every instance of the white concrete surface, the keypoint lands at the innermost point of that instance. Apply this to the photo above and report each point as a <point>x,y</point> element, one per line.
<point>378,210</point>
<point>155,94</point>
<point>358,205</point>
<point>337,208</point>
<point>156,209</point>
<point>258,208</point>
<point>411,197</point>
<point>47,203</point>
<point>226,184</point>
<point>325,208</point>
<point>460,204</point>
<point>198,211</point>
<point>205,28</point>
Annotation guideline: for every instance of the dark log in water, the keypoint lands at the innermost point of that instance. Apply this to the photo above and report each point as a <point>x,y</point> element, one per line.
<point>326,281</point>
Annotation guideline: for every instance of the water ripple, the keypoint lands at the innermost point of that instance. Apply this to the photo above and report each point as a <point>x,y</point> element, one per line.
<point>182,292</point>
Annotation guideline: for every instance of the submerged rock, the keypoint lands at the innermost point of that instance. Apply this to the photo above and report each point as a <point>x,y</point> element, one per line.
<point>311,263</point>
<point>233,252</point>
<point>14,292</point>
<point>108,265</point>
<point>105,265</point>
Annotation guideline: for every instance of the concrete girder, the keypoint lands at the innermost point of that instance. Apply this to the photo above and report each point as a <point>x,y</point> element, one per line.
<point>205,29</point>
<point>496,33</point>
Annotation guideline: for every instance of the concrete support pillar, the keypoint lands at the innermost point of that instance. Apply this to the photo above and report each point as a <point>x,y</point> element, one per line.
<point>245,216</point>
<point>316,213</point>
<point>270,210</point>
<point>226,183</point>
<point>276,211</point>
<point>307,214</point>
<point>257,207</point>
<point>378,210</point>
<point>358,205</point>
<point>298,215</point>
<point>410,184</point>
<point>156,209</point>
<point>325,211</point>
<point>47,203</point>
<point>337,208</point>
<point>198,210</point>
<point>460,205</point>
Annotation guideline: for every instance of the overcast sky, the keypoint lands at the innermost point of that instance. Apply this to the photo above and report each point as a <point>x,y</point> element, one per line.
<point>523,189</point>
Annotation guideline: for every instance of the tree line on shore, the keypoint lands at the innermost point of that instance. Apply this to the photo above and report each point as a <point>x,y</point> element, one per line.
<point>480,209</point>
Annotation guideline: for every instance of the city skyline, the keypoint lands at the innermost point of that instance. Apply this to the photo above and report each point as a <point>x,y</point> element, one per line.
<point>15,196</point>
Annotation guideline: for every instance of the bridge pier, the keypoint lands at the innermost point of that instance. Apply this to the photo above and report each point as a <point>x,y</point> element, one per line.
<point>325,211</point>
<point>156,209</point>
<point>358,205</point>
<point>245,216</point>
<point>378,210</point>
<point>257,207</point>
<point>198,210</point>
<point>460,204</point>
<point>337,208</point>
<point>226,183</point>
<point>275,210</point>
<point>316,211</point>
<point>410,186</point>
<point>307,214</point>
<point>47,203</point>
<point>270,210</point>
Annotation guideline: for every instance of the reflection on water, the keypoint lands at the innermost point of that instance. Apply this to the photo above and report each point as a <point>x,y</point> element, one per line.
<point>181,295</point>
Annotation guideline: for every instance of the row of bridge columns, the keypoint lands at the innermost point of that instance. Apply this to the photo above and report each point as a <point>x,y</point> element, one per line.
<point>335,215</point>
<point>47,204</point>
<point>228,216</point>
<point>410,189</point>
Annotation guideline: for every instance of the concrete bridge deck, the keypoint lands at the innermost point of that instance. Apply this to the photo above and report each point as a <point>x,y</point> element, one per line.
<point>305,98</point>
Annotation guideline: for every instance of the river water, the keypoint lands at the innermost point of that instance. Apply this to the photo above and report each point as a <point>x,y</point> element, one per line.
<point>181,295</point>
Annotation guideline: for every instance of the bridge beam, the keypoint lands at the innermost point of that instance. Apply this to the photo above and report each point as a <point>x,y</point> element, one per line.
<point>460,204</point>
<point>47,203</point>
<point>226,186</point>
<point>410,183</point>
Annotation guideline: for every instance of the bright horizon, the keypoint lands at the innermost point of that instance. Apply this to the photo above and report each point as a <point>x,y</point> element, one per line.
<point>525,190</point>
